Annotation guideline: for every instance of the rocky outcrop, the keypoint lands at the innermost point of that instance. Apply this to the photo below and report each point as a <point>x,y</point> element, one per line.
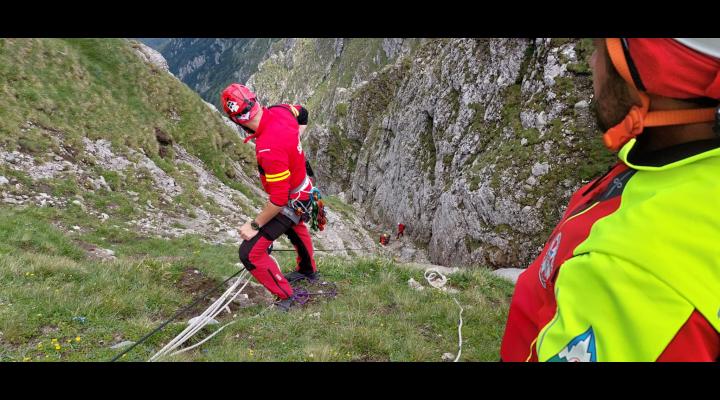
<point>151,56</point>
<point>475,144</point>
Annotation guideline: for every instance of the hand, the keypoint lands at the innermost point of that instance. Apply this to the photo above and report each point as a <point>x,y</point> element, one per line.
<point>247,232</point>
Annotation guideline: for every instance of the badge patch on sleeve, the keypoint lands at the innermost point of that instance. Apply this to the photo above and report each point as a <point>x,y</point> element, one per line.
<point>546,268</point>
<point>580,349</point>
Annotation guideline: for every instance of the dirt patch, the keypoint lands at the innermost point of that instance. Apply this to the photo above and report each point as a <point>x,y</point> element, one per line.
<point>427,332</point>
<point>370,358</point>
<point>195,283</point>
<point>96,253</point>
<point>42,188</point>
<point>48,329</point>
<point>388,309</point>
<point>164,141</point>
<point>256,295</point>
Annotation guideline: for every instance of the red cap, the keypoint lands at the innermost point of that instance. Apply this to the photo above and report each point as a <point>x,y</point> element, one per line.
<point>668,68</point>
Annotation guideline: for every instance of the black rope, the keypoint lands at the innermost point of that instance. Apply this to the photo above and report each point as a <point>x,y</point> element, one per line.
<point>144,338</point>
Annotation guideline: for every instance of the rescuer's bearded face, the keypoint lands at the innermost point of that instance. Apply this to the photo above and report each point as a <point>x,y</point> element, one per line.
<point>613,97</point>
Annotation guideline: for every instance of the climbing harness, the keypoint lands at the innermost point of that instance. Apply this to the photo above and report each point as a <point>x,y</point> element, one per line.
<point>437,280</point>
<point>312,210</point>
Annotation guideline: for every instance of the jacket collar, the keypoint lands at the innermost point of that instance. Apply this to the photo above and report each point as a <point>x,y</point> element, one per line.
<point>671,157</point>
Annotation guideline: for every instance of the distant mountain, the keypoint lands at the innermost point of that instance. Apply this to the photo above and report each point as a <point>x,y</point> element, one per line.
<point>209,65</point>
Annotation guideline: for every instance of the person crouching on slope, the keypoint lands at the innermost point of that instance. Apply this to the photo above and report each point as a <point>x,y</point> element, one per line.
<point>632,270</point>
<point>282,167</point>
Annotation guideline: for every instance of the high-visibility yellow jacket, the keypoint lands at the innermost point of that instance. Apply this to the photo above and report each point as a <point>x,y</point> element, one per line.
<point>632,271</point>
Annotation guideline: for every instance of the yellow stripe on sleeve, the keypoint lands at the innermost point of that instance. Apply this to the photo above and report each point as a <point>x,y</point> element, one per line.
<point>287,171</point>
<point>277,178</point>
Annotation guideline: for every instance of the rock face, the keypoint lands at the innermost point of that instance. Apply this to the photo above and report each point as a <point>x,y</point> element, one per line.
<point>511,274</point>
<point>475,145</point>
<point>151,56</point>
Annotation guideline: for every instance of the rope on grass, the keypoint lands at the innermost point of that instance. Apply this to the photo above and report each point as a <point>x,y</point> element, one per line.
<point>199,322</point>
<point>437,280</point>
<point>179,313</point>
<point>216,332</point>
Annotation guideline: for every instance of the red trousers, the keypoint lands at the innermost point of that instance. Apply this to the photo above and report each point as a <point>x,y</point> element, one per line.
<point>255,254</point>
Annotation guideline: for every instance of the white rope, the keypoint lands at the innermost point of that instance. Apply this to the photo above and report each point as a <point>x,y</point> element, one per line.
<point>437,280</point>
<point>459,331</point>
<point>216,332</point>
<point>203,319</point>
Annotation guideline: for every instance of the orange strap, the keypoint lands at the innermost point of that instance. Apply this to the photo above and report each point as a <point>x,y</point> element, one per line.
<point>639,117</point>
<point>679,117</point>
<point>617,56</point>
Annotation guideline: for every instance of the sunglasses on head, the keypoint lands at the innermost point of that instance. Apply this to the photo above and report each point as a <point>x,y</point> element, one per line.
<point>244,111</point>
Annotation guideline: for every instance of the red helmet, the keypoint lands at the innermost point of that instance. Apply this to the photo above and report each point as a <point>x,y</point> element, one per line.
<point>239,103</point>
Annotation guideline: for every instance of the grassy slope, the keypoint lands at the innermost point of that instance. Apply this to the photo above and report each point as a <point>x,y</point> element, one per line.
<point>100,89</point>
<point>46,281</point>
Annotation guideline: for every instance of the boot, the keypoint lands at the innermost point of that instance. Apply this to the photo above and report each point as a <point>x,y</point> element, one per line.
<point>285,304</point>
<point>297,275</point>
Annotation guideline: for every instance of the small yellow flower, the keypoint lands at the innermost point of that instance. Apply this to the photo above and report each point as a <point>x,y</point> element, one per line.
<point>26,358</point>
<point>77,339</point>
<point>57,347</point>
<point>53,340</point>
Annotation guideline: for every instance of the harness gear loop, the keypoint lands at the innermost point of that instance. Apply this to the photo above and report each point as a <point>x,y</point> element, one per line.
<point>319,218</point>
<point>312,210</point>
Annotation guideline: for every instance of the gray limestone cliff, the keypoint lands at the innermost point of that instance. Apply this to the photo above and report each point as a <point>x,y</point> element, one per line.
<point>475,144</point>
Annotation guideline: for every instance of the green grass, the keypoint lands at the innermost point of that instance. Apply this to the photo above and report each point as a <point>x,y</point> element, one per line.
<point>99,88</point>
<point>376,317</point>
<point>338,206</point>
<point>46,281</point>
